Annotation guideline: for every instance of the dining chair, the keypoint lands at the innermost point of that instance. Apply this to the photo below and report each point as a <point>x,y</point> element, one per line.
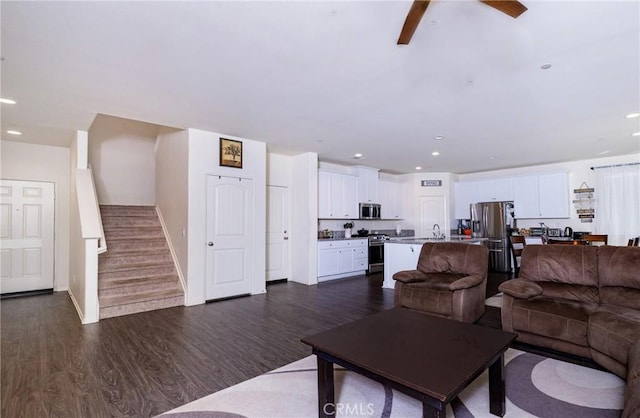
<point>516,244</point>
<point>596,238</point>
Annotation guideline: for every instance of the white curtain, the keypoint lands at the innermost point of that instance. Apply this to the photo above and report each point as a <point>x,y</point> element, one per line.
<point>617,195</point>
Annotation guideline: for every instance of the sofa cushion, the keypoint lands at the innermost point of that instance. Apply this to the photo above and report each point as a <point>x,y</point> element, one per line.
<point>613,330</point>
<point>619,276</point>
<point>563,271</point>
<point>560,319</point>
<point>632,391</point>
<point>432,294</point>
<point>451,257</point>
<point>519,288</point>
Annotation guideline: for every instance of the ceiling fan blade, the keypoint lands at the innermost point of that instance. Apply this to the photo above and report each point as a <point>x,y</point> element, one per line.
<point>413,19</point>
<point>511,7</point>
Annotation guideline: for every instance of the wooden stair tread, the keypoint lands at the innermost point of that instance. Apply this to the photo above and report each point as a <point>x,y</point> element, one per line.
<point>109,301</point>
<point>131,281</point>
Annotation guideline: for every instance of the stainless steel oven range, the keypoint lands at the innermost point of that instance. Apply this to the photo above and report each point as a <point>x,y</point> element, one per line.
<point>376,252</point>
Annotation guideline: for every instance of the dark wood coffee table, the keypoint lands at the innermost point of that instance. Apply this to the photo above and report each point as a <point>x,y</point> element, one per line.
<point>428,358</point>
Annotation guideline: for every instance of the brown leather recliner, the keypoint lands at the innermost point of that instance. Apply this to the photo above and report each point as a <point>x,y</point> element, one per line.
<point>450,281</point>
<point>577,299</point>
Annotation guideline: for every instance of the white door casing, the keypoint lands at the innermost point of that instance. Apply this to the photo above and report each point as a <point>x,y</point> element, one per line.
<point>432,211</point>
<point>27,235</point>
<point>277,233</point>
<point>230,236</point>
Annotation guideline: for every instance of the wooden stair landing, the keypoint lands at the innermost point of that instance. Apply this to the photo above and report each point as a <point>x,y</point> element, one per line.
<point>137,273</point>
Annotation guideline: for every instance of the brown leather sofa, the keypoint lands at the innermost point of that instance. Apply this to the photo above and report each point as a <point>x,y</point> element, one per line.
<point>580,300</point>
<point>450,281</point>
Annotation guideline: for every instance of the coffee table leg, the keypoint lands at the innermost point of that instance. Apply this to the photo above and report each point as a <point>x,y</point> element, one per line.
<point>429,411</point>
<point>326,405</point>
<point>496,387</point>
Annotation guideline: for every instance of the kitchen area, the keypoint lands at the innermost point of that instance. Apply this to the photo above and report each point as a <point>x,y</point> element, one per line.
<point>370,221</point>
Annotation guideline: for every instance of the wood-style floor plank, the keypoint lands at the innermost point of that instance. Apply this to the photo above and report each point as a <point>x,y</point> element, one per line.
<point>145,364</point>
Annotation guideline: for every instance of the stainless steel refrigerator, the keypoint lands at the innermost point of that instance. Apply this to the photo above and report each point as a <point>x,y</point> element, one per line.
<point>493,221</point>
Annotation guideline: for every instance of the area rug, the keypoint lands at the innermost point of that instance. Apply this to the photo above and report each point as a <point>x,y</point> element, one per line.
<point>495,301</point>
<point>536,386</point>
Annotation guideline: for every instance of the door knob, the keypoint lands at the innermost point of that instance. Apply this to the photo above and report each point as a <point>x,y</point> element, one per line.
<point>210,244</point>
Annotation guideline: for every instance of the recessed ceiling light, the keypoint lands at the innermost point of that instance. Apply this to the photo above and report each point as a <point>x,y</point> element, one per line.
<point>358,155</point>
<point>635,134</point>
<point>438,137</point>
<point>604,152</point>
<point>12,132</point>
<point>633,115</point>
<point>545,66</point>
<point>418,168</point>
<point>435,153</point>
<point>7,101</point>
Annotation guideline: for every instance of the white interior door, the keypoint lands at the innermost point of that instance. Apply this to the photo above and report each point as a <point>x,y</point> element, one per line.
<point>432,211</point>
<point>229,237</point>
<point>26,232</point>
<point>277,233</point>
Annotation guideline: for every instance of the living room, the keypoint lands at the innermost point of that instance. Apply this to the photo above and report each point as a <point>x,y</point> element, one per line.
<point>292,95</point>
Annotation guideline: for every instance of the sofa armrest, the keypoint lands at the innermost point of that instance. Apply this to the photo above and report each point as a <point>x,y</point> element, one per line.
<point>410,276</point>
<point>521,289</point>
<point>466,282</point>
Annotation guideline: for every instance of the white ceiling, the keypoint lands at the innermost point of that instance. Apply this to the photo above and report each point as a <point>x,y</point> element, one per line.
<point>328,77</point>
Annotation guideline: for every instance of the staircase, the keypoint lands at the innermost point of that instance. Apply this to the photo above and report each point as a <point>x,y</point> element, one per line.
<point>137,273</point>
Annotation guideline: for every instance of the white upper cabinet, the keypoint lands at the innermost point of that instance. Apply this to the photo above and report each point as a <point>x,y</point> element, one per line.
<point>553,190</point>
<point>542,196</point>
<point>491,190</point>
<point>392,199</point>
<point>535,196</point>
<point>337,195</point>
<point>324,194</point>
<point>465,194</point>
<point>367,185</point>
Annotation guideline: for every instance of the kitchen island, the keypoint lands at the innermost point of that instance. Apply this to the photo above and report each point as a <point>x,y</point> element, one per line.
<point>402,253</point>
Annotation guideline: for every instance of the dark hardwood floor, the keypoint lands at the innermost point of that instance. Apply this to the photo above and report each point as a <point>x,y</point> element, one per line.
<point>147,363</point>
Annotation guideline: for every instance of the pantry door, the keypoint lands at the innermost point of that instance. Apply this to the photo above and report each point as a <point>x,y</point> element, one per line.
<point>277,233</point>
<point>26,236</point>
<point>230,237</point>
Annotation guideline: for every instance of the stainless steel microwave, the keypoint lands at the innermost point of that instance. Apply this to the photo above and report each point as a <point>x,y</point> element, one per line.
<point>370,211</point>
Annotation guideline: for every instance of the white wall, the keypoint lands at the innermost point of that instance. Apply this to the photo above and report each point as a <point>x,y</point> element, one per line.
<point>416,191</point>
<point>83,286</point>
<point>204,148</point>
<point>20,161</point>
<point>171,190</point>
<point>304,237</point>
<point>279,170</point>
<point>579,172</point>
<point>121,154</point>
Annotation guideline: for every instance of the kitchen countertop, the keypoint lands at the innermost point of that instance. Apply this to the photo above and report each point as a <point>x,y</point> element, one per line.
<point>341,238</point>
<point>419,241</point>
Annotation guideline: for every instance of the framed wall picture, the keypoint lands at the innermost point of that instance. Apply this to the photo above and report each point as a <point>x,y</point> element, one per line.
<point>230,153</point>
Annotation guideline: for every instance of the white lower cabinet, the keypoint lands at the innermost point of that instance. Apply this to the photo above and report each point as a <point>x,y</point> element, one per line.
<point>342,258</point>
<point>398,257</point>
